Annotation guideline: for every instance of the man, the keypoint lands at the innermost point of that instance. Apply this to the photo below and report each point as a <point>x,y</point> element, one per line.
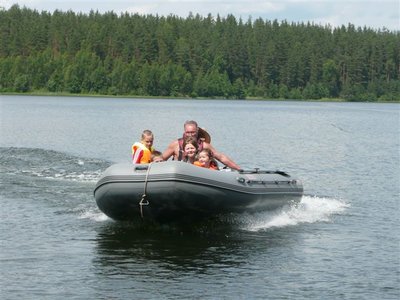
<point>191,129</point>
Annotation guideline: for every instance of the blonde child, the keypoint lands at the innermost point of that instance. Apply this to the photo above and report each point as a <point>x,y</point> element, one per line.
<point>141,151</point>
<point>205,160</point>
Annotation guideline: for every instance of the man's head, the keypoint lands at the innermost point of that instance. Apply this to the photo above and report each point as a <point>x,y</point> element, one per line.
<point>190,129</point>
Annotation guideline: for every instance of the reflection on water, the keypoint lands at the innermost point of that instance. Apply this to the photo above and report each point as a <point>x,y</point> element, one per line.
<point>181,264</point>
<point>230,241</point>
<point>127,248</point>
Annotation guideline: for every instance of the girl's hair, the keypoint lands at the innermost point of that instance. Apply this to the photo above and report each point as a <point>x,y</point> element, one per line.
<point>207,151</point>
<point>190,140</point>
<point>213,162</point>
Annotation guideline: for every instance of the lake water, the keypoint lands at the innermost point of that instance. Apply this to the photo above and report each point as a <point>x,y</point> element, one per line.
<point>341,242</point>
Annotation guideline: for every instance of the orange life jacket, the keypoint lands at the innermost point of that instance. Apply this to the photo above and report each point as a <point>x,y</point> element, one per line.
<point>213,165</point>
<point>141,154</point>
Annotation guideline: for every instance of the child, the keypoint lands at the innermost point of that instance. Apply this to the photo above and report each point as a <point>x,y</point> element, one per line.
<point>206,160</point>
<point>141,151</point>
<point>156,156</point>
<point>190,148</point>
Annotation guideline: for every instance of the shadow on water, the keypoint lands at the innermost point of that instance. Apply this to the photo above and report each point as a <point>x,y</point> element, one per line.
<point>127,247</point>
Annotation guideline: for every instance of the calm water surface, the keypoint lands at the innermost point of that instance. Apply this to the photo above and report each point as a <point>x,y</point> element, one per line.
<point>341,242</point>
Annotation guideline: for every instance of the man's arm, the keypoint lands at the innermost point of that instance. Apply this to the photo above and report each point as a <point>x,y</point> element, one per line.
<point>222,157</point>
<point>170,151</point>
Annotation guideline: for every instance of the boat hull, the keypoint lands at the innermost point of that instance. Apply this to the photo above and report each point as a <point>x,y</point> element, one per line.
<point>173,191</point>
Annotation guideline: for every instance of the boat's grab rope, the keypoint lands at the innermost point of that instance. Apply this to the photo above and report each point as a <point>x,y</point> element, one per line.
<point>144,201</point>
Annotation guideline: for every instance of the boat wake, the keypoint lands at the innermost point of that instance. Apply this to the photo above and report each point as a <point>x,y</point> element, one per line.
<point>59,166</point>
<point>49,164</point>
<point>310,209</point>
<point>93,214</point>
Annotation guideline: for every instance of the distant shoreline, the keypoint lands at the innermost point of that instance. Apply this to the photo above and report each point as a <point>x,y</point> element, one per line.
<point>184,98</point>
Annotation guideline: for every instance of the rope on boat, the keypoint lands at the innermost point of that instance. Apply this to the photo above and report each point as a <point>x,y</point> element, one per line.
<point>143,201</point>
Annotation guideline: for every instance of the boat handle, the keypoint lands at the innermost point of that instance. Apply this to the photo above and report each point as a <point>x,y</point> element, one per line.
<point>141,167</point>
<point>273,181</point>
<point>241,179</point>
<point>257,181</point>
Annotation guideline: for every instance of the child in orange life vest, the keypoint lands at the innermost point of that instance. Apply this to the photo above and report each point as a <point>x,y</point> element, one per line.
<point>205,160</point>
<point>141,151</point>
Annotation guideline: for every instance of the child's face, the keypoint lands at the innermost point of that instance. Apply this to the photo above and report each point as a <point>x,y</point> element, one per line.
<point>203,157</point>
<point>190,150</point>
<point>148,141</point>
<point>157,159</point>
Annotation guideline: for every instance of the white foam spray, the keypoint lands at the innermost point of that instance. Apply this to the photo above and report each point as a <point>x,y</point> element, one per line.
<point>91,213</point>
<point>310,209</point>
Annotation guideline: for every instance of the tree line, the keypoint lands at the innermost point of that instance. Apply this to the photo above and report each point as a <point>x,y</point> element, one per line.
<point>196,56</point>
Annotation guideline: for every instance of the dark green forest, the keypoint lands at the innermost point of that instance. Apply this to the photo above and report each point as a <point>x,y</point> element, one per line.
<point>196,56</point>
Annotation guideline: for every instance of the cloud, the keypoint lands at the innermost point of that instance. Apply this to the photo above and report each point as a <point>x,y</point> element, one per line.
<point>183,8</point>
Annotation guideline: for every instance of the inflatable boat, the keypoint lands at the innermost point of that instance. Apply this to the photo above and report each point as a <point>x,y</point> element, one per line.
<point>173,190</point>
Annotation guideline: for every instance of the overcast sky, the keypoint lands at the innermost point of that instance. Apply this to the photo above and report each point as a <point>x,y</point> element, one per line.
<point>377,14</point>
